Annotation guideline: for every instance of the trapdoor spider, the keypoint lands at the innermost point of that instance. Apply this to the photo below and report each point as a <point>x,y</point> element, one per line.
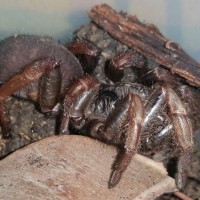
<point>122,114</point>
<point>136,115</point>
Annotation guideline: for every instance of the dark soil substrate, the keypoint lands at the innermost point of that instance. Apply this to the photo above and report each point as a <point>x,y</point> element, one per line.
<point>27,124</point>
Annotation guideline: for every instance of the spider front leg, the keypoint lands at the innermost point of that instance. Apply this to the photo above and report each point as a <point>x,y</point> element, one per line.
<point>184,133</point>
<point>123,128</point>
<point>77,100</point>
<point>30,73</point>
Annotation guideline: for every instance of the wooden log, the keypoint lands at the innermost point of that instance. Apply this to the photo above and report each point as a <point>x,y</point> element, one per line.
<point>146,39</point>
<point>77,167</point>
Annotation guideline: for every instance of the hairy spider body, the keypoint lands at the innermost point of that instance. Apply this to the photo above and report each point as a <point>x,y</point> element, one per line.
<point>126,114</point>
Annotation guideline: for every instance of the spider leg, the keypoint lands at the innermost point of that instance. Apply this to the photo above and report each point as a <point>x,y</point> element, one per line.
<point>150,76</point>
<point>30,73</point>
<point>80,46</point>
<point>184,133</point>
<point>86,52</point>
<point>156,100</point>
<point>50,91</point>
<point>119,63</point>
<point>76,102</point>
<point>123,124</point>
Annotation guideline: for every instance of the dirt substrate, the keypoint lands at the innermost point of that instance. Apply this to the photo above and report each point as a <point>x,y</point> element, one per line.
<point>27,124</point>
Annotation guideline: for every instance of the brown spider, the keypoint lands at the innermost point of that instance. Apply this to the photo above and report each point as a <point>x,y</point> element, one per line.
<point>146,108</point>
<point>122,114</point>
<point>135,116</point>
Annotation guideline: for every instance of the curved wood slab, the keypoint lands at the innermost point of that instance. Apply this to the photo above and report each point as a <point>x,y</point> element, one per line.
<point>77,167</point>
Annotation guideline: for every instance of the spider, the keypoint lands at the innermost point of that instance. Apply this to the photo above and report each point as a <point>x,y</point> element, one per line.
<point>122,113</point>
<point>154,114</point>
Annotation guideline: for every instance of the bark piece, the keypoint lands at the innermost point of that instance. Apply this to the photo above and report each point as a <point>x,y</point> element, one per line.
<point>77,167</point>
<point>146,39</point>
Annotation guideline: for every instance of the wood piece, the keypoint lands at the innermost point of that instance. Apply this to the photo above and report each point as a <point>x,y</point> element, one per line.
<point>77,167</point>
<point>146,39</point>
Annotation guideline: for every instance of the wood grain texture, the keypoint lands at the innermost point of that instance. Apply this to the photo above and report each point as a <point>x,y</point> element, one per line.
<point>77,167</point>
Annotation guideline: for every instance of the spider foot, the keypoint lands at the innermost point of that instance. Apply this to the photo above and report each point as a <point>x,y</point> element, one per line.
<point>114,178</point>
<point>183,165</point>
